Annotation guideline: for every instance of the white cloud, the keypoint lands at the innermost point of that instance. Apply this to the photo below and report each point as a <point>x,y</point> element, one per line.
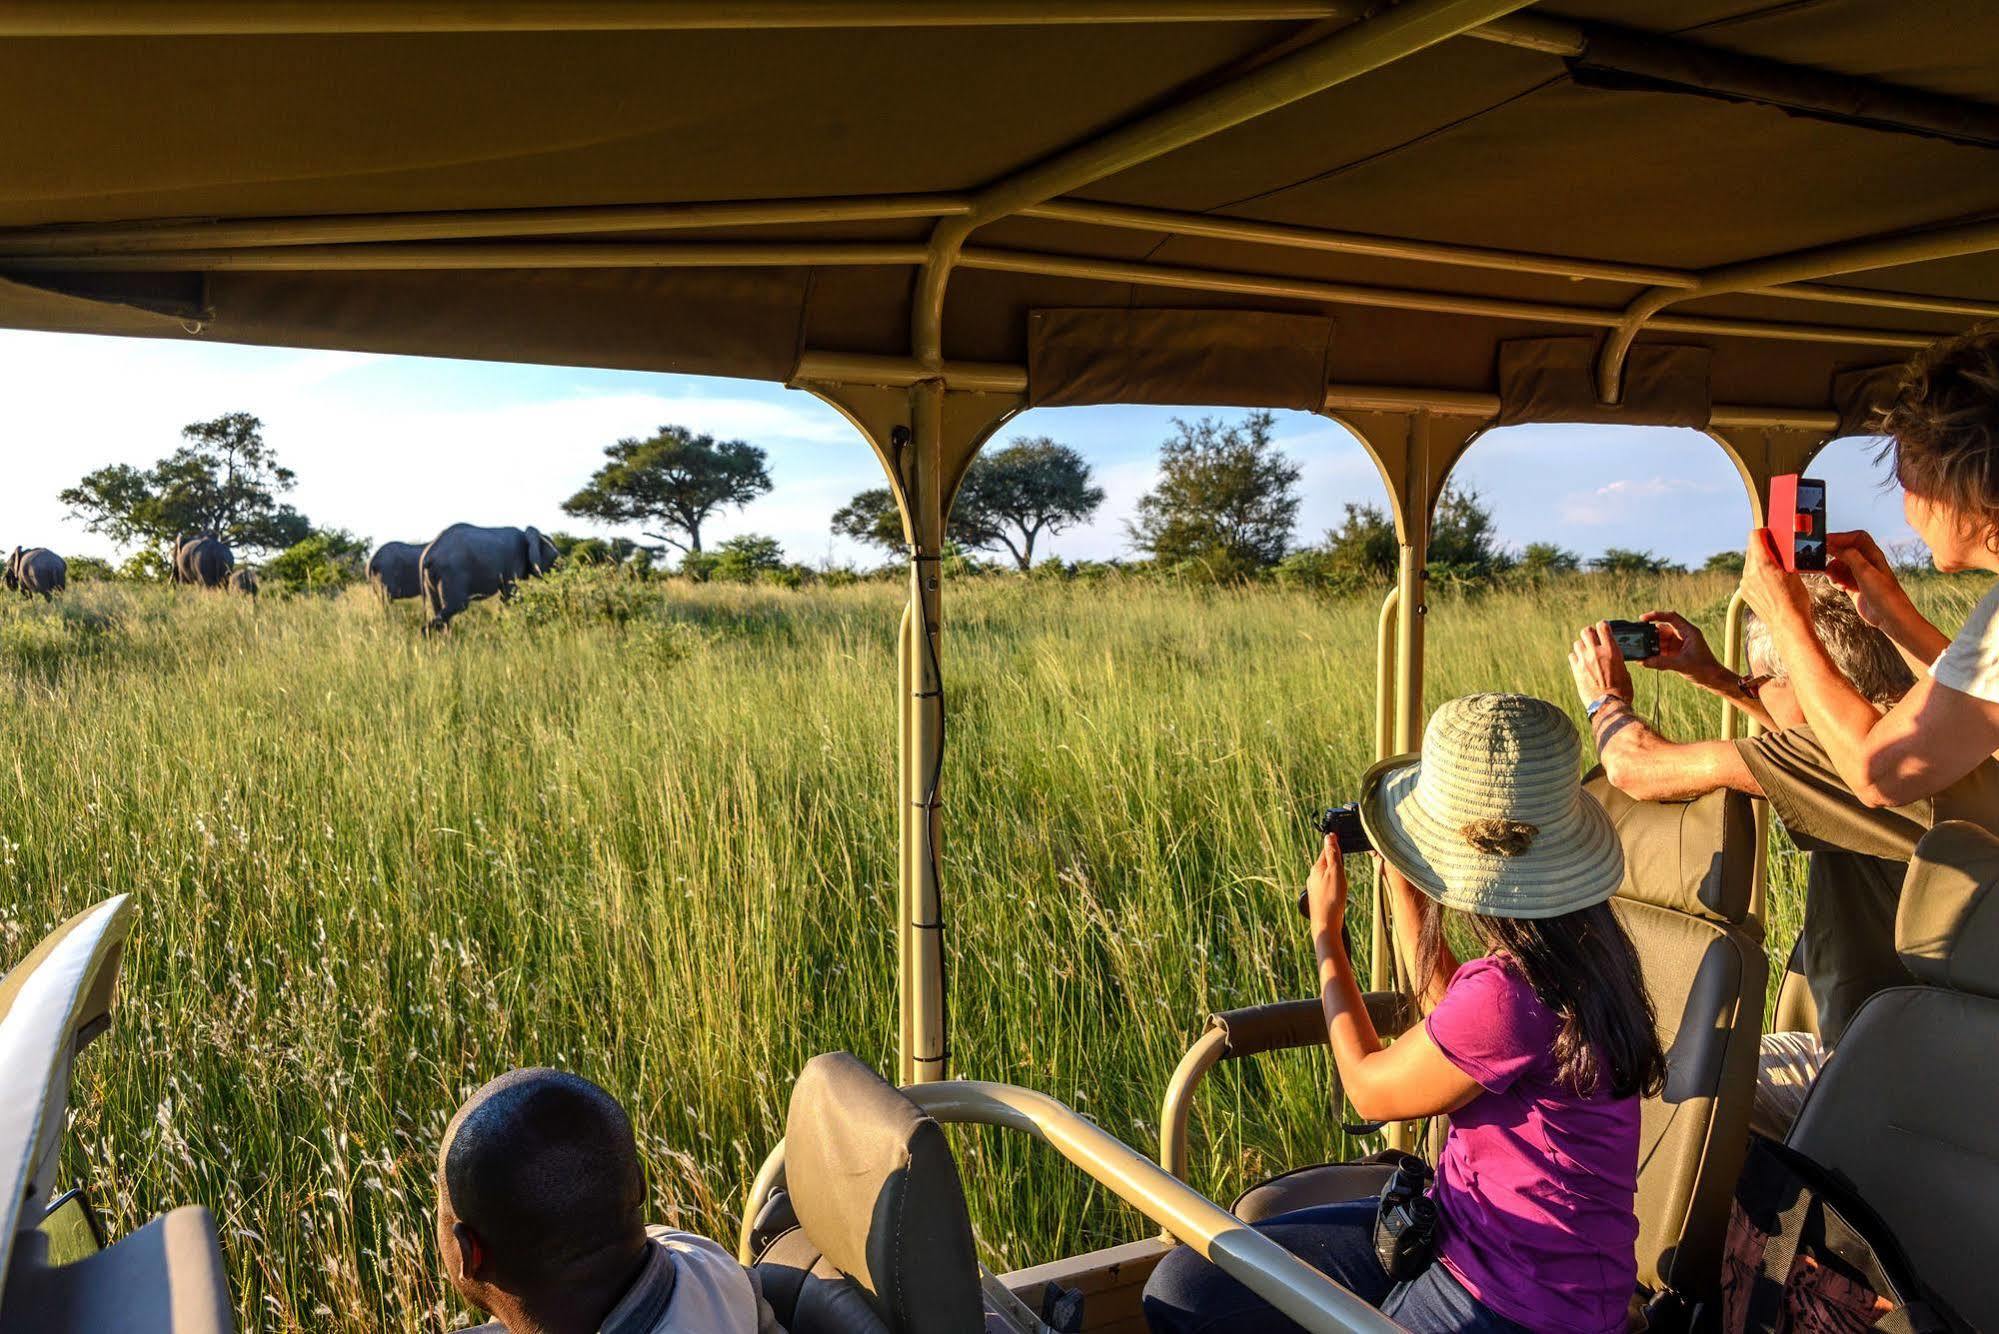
<point>1618,501</point>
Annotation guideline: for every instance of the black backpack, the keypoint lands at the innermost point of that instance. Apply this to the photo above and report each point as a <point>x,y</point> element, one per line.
<point>1806,1256</point>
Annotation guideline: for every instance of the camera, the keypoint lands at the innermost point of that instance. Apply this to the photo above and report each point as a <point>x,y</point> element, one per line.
<point>1343,823</point>
<point>1797,512</point>
<point>1405,1222</point>
<point>1635,639</point>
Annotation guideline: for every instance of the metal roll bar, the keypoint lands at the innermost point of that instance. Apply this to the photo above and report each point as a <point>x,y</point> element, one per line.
<point>1295,1288</point>
<point>1346,54</point>
<point>992,377</point>
<point>1231,1035</point>
<point>1873,252</point>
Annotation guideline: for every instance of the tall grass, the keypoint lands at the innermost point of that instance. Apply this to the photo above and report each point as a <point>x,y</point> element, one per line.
<point>655,845</point>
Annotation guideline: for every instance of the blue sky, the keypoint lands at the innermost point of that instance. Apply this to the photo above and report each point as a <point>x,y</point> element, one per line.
<point>398,447</point>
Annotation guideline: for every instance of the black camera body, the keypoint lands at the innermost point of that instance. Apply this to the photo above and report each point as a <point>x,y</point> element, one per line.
<point>1343,823</point>
<point>1635,639</point>
<point>1405,1223</point>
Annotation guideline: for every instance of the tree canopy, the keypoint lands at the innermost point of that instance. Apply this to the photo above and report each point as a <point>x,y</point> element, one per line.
<point>872,518</point>
<point>1623,560</point>
<point>674,481</point>
<point>1226,500</point>
<point>1546,558</point>
<point>224,480</point>
<point>1009,498</point>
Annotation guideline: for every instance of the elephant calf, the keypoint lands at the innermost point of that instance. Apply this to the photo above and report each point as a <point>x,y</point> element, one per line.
<point>32,570</point>
<point>395,571</point>
<point>202,559</point>
<point>243,581</point>
<point>465,563</point>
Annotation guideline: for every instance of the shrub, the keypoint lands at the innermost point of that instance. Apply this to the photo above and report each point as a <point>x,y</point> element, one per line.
<point>325,562</point>
<point>83,569</point>
<point>145,566</point>
<point>585,595</point>
<point>699,566</point>
<point>743,559</point>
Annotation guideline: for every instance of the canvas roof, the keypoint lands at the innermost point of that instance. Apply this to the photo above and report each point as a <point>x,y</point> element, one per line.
<point>173,109</point>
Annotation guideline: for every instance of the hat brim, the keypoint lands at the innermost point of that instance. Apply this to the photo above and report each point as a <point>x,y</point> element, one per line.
<point>1574,864</point>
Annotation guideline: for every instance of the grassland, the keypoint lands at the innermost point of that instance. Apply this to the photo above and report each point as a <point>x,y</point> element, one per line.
<point>373,871</point>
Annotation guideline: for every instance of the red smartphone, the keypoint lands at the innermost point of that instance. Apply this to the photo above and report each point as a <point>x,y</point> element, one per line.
<point>1797,512</point>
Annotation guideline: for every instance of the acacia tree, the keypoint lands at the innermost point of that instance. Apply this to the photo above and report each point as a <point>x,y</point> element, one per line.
<point>872,518</point>
<point>225,480</point>
<point>1012,496</point>
<point>1008,499</point>
<point>674,481</point>
<point>1226,498</point>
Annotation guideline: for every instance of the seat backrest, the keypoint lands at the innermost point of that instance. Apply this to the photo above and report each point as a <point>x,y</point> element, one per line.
<point>880,1209</point>
<point>165,1278</point>
<point>1688,872</point>
<point>1907,1110</point>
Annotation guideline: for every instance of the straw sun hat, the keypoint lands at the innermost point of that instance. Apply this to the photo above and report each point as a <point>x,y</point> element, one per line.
<point>1491,818</point>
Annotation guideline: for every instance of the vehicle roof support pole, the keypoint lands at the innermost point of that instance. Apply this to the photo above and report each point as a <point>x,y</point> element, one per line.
<point>925,437</point>
<point>1415,452</point>
<point>1759,453</point>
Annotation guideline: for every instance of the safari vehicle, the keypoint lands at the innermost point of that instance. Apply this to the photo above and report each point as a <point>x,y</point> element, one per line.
<point>1422,219</point>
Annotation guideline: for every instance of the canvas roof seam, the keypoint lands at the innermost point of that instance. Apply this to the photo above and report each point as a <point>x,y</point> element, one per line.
<point>235,18</point>
<point>89,242</point>
<point>433,257</point>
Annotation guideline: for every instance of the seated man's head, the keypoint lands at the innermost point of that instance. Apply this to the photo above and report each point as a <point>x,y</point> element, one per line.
<point>541,1200</point>
<point>1943,429</point>
<point>1864,655</point>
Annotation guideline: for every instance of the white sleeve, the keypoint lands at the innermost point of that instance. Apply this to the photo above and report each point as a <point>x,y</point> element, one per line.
<point>1970,662</point>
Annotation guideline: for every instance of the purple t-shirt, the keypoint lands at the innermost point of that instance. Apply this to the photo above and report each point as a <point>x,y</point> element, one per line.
<point>1535,1186</point>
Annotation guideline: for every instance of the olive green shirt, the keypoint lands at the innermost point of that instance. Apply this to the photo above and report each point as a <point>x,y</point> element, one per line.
<point>1859,858</point>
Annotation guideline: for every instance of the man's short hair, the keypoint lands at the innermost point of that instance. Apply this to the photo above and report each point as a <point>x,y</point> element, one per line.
<point>544,1167</point>
<point>1864,655</point>
<point>1943,424</point>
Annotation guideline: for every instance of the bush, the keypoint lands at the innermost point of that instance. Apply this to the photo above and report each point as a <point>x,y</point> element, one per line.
<point>585,595</point>
<point>84,569</point>
<point>744,559</point>
<point>699,566</point>
<point>326,562</point>
<point>145,566</point>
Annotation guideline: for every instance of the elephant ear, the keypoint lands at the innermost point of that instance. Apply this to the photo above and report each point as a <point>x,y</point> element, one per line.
<point>534,541</point>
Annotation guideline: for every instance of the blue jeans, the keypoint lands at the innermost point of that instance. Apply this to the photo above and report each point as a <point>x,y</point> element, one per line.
<point>1187,1295</point>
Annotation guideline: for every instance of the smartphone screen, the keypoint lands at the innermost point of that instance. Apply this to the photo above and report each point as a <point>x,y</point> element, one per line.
<point>1810,538</point>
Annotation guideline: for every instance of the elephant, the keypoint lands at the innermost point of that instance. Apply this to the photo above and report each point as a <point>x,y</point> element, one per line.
<point>394,571</point>
<point>32,570</point>
<point>243,580</point>
<point>464,563</point>
<point>202,559</point>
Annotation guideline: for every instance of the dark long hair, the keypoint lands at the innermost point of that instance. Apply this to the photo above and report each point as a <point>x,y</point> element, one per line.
<point>1584,968</point>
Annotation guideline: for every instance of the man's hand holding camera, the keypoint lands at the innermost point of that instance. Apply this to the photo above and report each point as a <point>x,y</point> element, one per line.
<point>1597,665</point>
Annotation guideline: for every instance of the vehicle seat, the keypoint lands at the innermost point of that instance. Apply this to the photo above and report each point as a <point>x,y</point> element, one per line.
<point>1688,872</point>
<point>1689,867</point>
<point>1906,1111</point>
<point>165,1278</point>
<point>883,1243</point>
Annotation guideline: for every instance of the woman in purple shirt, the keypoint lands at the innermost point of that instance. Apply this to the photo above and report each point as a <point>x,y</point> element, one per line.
<point>1539,1051</point>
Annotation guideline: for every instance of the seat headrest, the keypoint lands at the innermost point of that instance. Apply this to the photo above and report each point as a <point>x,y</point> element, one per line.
<point>1696,857</point>
<point>877,1192</point>
<point>1947,929</point>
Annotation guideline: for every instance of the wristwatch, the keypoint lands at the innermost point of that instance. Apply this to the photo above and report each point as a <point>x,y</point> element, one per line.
<point>1591,709</point>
